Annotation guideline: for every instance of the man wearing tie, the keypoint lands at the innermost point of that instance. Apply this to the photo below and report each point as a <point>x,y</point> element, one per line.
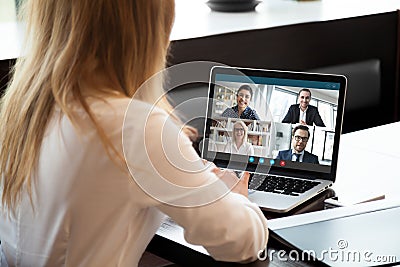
<point>300,137</point>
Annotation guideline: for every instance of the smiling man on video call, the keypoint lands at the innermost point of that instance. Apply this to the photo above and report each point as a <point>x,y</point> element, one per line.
<point>300,137</point>
<point>303,112</point>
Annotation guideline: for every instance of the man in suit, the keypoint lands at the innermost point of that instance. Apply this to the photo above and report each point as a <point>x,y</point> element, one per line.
<point>300,136</point>
<point>303,112</point>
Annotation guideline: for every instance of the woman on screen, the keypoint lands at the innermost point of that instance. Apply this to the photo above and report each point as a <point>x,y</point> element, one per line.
<point>242,109</point>
<point>238,144</point>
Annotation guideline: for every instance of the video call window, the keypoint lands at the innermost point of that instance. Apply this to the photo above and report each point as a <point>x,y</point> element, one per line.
<point>257,120</point>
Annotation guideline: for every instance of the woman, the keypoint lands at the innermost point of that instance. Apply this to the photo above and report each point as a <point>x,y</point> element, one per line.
<point>242,109</point>
<point>67,197</point>
<point>238,144</point>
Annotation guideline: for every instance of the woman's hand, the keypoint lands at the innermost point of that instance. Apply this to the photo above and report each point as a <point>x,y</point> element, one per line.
<point>242,186</point>
<point>234,183</point>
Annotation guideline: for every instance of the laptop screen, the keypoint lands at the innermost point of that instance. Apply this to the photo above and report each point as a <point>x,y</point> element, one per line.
<point>276,122</point>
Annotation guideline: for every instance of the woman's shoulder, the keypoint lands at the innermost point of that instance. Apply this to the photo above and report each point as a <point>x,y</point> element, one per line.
<point>114,112</point>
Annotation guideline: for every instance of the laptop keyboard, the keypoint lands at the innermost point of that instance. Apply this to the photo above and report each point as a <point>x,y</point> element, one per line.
<point>281,185</point>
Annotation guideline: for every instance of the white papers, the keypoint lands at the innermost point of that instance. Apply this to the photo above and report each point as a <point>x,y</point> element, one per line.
<point>172,231</point>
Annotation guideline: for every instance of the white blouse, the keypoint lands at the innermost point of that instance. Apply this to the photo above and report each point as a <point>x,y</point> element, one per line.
<point>90,212</point>
<point>245,149</point>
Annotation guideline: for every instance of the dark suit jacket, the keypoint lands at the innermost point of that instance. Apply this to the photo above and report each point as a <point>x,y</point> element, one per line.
<point>312,115</point>
<point>307,157</point>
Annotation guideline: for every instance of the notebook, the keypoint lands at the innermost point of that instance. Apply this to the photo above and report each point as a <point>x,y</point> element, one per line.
<point>282,126</point>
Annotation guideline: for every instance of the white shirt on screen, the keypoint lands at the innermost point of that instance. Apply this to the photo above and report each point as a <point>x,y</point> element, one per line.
<point>294,157</point>
<point>303,115</point>
<point>245,149</point>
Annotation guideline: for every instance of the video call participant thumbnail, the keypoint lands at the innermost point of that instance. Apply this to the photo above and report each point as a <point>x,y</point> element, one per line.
<point>300,137</point>
<point>242,109</point>
<point>303,112</point>
<point>238,143</point>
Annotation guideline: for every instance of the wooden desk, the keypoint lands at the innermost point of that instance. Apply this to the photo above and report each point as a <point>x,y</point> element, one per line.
<point>377,170</point>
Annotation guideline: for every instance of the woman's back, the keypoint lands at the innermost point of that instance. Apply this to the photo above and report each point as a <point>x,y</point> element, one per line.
<point>87,210</point>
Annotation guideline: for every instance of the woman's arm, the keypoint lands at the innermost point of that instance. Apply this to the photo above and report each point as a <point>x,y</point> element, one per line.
<point>227,224</point>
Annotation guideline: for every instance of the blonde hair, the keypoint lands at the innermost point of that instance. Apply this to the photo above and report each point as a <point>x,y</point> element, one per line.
<point>67,43</point>
<point>245,137</point>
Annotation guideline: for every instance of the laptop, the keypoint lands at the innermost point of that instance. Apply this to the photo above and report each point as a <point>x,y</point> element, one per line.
<point>290,162</point>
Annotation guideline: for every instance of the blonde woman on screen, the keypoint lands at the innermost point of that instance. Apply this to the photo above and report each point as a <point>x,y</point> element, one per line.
<point>67,196</point>
<point>238,143</point>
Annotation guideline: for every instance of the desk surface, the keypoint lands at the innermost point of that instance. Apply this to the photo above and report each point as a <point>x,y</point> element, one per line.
<point>195,19</point>
<point>368,162</point>
<point>11,39</point>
